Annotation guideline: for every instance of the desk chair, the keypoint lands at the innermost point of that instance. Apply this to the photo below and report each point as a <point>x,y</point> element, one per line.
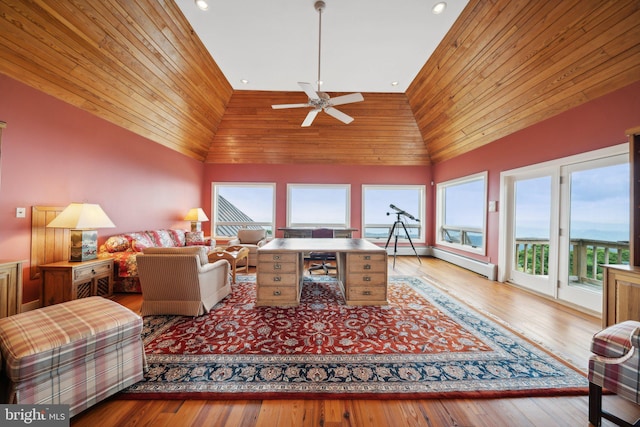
<point>325,233</point>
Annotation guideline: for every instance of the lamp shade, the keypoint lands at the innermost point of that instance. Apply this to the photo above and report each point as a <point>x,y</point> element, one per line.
<point>80,216</point>
<point>196,214</point>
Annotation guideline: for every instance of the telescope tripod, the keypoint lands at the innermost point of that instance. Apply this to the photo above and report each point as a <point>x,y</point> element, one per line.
<point>394,232</point>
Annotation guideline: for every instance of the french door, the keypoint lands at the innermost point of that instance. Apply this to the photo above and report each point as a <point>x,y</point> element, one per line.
<point>561,221</point>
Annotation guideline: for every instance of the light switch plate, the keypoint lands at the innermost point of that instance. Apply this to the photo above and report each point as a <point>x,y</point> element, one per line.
<point>21,212</point>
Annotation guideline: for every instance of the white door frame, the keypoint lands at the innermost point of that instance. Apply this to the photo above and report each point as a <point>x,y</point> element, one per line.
<point>505,251</point>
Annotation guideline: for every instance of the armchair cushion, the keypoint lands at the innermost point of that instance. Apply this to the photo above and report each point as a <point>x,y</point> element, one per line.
<point>201,251</point>
<point>615,366</point>
<point>614,341</point>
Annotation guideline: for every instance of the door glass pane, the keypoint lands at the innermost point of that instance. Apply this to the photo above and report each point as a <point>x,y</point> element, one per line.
<point>599,223</point>
<point>532,225</point>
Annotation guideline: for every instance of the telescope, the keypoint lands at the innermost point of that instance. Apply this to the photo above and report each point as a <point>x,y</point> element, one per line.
<point>405,213</point>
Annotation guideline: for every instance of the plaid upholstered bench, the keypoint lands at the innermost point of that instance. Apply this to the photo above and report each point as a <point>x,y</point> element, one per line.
<point>77,353</point>
<point>615,366</point>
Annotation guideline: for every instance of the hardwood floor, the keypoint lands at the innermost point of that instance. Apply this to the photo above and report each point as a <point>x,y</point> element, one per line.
<point>565,331</point>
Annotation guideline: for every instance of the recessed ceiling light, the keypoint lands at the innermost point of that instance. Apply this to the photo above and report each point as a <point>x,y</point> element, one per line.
<point>202,4</point>
<point>244,81</point>
<point>394,83</point>
<point>438,8</point>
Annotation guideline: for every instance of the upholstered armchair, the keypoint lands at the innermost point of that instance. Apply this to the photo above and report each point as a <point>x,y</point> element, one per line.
<point>615,366</point>
<point>251,239</point>
<point>181,281</point>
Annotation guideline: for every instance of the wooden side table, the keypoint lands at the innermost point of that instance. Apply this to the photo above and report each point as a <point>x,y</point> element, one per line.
<point>233,254</point>
<point>65,281</point>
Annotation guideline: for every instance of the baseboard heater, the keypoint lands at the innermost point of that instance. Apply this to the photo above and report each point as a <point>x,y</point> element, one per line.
<point>483,268</point>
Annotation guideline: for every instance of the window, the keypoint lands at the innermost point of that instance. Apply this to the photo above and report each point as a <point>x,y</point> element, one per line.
<point>378,217</point>
<point>460,213</point>
<point>318,205</point>
<point>243,205</point>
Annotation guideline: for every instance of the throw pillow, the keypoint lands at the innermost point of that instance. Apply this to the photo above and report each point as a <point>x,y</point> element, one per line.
<point>116,244</point>
<point>194,238</point>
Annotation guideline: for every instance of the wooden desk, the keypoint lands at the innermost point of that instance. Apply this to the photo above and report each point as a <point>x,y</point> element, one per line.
<point>306,232</point>
<point>362,270</point>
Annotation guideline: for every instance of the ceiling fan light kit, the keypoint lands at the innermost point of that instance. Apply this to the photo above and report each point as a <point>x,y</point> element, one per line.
<point>321,101</point>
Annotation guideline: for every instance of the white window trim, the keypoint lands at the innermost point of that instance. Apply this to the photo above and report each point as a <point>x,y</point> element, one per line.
<point>420,214</point>
<point>440,187</point>
<point>347,213</point>
<point>214,206</point>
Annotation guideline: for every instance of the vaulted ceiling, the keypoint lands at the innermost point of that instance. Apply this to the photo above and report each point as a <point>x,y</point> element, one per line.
<point>503,66</point>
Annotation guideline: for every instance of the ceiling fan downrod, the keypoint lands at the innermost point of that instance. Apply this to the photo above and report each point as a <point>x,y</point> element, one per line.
<point>319,5</point>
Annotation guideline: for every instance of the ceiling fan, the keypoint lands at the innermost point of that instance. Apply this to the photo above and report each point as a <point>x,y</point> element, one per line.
<point>321,101</point>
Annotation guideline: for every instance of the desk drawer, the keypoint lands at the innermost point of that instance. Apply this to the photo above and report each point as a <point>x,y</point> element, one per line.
<point>277,257</point>
<point>268,279</point>
<point>367,262</point>
<point>367,293</point>
<point>89,272</point>
<point>277,267</point>
<point>366,279</point>
<point>276,295</point>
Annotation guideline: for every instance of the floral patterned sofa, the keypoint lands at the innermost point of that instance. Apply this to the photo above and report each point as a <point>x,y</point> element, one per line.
<point>124,248</point>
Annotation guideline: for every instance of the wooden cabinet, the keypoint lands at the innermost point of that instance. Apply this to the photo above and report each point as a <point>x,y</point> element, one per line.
<point>365,281</point>
<point>10,287</point>
<point>65,281</point>
<point>279,277</point>
<point>621,294</point>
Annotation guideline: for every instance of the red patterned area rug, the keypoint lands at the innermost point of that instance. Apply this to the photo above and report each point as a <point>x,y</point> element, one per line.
<point>424,344</point>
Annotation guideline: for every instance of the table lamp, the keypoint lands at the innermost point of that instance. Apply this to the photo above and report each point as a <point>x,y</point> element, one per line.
<point>82,219</point>
<point>196,216</point>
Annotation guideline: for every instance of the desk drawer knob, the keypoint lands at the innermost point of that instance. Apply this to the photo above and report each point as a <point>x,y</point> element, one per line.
<point>277,278</point>
<point>276,293</point>
<point>276,257</point>
<point>367,257</point>
<point>277,266</point>
<point>366,278</point>
<point>367,266</point>
<point>366,292</point>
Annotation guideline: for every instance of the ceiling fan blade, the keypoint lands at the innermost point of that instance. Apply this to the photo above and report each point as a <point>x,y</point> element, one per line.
<point>338,115</point>
<point>309,90</point>
<point>346,99</point>
<point>309,119</point>
<point>280,106</point>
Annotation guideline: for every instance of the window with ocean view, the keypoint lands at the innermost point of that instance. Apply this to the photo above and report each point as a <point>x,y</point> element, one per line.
<point>318,205</point>
<point>378,217</point>
<point>460,213</point>
<point>242,205</point>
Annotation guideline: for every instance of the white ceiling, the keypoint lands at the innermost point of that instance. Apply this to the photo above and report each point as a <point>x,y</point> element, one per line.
<point>366,44</point>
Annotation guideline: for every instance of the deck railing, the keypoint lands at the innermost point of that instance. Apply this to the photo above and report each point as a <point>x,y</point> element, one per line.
<point>586,256</point>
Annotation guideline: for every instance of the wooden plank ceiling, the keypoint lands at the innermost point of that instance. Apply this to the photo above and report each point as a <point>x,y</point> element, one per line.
<point>505,65</point>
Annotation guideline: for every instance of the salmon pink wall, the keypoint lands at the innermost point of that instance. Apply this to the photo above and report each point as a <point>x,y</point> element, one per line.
<point>322,174</point>
<point>54,154</point>
<point>597,124</point>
